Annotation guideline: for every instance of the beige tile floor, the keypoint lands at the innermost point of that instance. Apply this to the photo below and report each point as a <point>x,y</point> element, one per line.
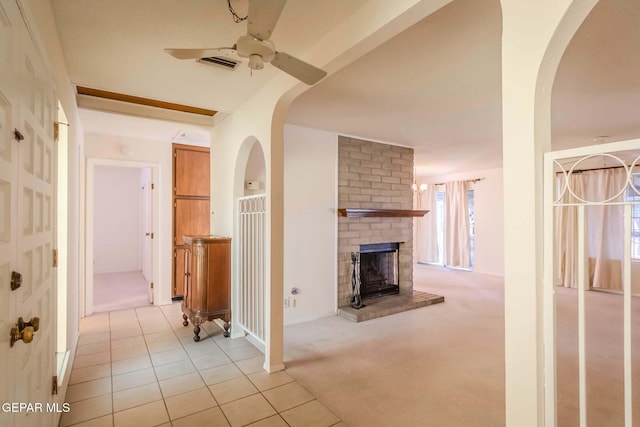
<point>140,367</point>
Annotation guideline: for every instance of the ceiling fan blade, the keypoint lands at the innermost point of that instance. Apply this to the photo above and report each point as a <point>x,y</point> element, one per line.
<point>263,17</point>
<point>197,53</point>
<point>301,70</point>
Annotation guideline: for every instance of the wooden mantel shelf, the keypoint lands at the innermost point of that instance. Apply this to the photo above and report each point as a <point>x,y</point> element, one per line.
<point>359,213</point>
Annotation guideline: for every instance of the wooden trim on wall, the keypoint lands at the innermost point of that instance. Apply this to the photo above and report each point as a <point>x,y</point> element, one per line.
<point>397,213</point>
<point>143,101</point>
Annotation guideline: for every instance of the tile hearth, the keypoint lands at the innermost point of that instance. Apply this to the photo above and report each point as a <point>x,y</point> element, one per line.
<point>392,304</point>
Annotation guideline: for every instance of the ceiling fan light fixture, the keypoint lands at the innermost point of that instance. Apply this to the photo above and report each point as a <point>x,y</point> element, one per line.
<point>262,18</point>
<point>256,62</point>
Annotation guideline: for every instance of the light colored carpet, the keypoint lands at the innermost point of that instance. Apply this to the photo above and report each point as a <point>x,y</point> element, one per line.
<point>443,365</point>
<point>117,291</point>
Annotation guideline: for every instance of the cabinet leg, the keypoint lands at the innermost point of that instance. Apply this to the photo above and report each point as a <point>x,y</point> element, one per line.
<point>185,322</point>
<point>227,326</point>
<point>196,333</point>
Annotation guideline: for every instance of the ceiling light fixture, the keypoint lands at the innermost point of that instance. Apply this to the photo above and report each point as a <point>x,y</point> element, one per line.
<point>256,62</point>
<point>127,150</point>
<point>600,139</point>
<point>415,187</point>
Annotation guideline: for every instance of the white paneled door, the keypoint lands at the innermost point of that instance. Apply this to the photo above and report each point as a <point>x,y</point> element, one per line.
<point>27,108</point>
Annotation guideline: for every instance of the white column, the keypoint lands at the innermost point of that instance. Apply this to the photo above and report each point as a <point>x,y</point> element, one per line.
<point>535,34</point>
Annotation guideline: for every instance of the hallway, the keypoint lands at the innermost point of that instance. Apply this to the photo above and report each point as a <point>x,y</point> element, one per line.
<point>140,367</point>
<point>118,291</point>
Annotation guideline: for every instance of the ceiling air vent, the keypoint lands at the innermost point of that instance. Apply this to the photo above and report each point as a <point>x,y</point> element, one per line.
<point>220,61</point>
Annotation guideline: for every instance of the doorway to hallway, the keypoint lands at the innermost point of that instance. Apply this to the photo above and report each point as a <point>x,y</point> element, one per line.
<point>122,237</point>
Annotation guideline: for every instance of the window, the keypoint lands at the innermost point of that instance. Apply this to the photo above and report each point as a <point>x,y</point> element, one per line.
<point>440,225</point>
<point>472,228</point>
<point>632,196</point>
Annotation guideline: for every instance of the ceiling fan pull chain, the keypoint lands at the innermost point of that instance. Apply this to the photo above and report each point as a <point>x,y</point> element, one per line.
<point>236,18</point>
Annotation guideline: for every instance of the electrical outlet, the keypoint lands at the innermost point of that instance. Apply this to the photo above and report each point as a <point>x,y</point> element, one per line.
<point>286,302</point>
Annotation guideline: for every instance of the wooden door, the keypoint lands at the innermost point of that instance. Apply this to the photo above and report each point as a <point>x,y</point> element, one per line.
<point>27,105</point>
<point>192,218</point>
<point>191,204</point>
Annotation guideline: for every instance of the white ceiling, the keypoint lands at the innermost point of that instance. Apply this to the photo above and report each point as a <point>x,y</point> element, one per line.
<point>435,87</point>
<point>117,45</point>
<point>597,86</point>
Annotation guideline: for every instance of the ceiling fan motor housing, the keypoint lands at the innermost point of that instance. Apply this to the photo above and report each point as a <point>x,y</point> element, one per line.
<point>247,46</point>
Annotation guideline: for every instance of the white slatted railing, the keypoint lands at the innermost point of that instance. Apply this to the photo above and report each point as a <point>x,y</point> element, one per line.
<point>251,264</point>
<point>624,154</point>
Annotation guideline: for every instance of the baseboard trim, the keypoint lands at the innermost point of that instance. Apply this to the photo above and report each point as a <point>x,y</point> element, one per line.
<point>274,368</point>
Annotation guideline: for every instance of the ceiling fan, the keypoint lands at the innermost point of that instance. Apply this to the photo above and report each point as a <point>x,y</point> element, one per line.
<point>262,18</point>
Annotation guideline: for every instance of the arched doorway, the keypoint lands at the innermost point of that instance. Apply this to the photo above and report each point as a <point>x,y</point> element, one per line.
<point>249,293</point>
<point>589,206</point>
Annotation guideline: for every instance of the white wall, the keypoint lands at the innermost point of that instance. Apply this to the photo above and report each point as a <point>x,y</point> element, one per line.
<point>116,220</point>
<point>310,222</point>
<point>255,171</point>
<point>489,226</point>
<point>102,146</point>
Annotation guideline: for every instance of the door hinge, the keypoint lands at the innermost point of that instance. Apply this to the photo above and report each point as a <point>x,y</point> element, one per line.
<point>175,254</point>
<point>55,258</point>
<point>17,135</point>
<point>153,186</point>
<point>151,285</point>
<point>56,131</point>
<point>152,235</point>
<point>54,385</point>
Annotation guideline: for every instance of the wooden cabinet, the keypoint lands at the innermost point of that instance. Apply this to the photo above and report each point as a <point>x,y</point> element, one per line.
<point>207,282</point>
<point>191,206</point>
<point>192,171</point>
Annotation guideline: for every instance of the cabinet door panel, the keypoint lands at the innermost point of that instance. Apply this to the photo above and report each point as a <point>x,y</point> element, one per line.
<point>192,173</point>
<point>192,218</point>
<point>219,269</point>
<point>179,272</point>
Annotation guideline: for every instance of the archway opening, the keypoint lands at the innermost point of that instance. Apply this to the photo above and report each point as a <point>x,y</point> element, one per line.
<point>249,291</point>
<point>594,97</point>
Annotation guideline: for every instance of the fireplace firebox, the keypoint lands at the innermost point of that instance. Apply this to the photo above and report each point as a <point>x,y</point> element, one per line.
<point>379,270</point>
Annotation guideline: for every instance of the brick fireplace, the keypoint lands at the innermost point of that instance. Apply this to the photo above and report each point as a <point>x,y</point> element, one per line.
<point>372,175</point>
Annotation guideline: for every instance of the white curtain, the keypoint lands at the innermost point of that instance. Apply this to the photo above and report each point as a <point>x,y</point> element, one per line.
<point>456,225</point>
<point>603,230</point>
<point>426,231</point>
<point>567,232</point>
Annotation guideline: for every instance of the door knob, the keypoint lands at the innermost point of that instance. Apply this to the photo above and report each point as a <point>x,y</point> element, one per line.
<point>147,234</point>
<point>24,330</point>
